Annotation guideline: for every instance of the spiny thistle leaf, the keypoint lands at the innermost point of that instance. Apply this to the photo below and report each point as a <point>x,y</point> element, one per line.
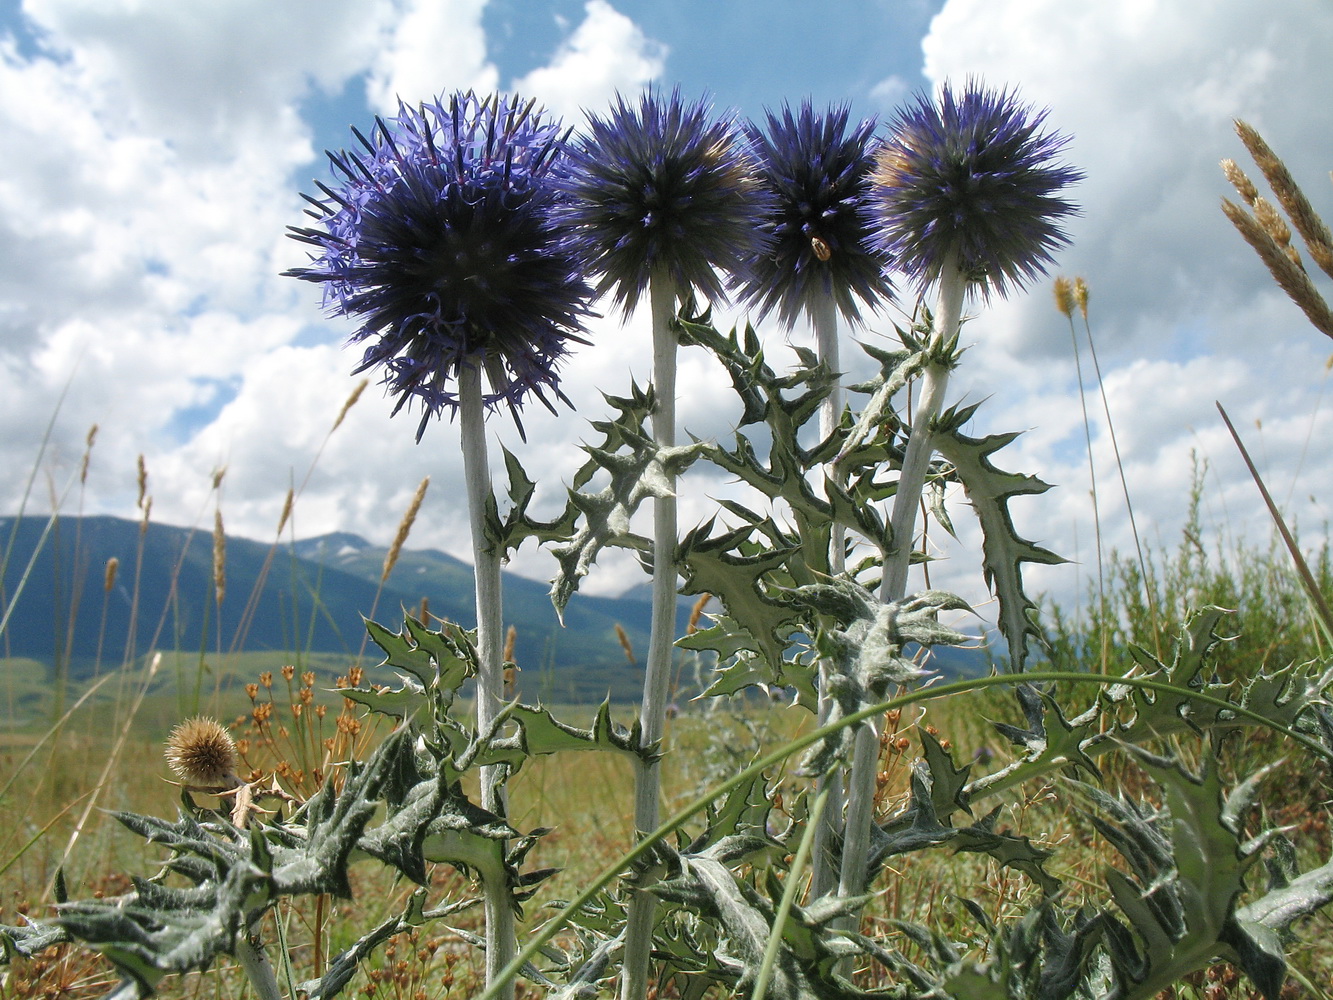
<point>1051,740</point>
<point>539,733</point>
<point>1190,867</point>
<point>745,668</point>
<point>710,568</point>
<point>921,825</point>
<point>637,470</point>
<point>1003,550</point>
<point>441,659</point>
<point>516,526</point>
<point>948,782</point>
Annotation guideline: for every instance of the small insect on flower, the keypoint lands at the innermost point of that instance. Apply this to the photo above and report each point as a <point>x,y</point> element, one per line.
<point>661,186</point>
<point>203,754</point>
<point>817,167</point>
<point>972,177</point>
<point>438,237</point>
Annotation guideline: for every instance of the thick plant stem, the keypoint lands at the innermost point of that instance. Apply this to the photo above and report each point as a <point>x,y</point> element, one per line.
<point>490,675</point>
<point>258,969</point>
<point>823,878</point>
<point>652,713</point>
<point>893,587</point>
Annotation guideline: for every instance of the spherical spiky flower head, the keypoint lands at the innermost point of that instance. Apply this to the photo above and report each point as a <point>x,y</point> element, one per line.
<point>661,186</point>
<point>972,175</point>
<point>819,172</point>
<point>437,236</point>
<point>203,753</point>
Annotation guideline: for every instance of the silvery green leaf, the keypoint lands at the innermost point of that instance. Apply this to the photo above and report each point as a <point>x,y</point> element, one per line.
<point>710,567</point>
<point>539,732</point>
<point>1003,551</point>
<point>637,469</point>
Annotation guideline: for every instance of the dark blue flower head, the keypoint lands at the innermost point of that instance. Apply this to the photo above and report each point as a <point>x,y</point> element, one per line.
<point>973,175</point>
<point>438,238</point>
<point>661,186</point>
<point>820,174</point>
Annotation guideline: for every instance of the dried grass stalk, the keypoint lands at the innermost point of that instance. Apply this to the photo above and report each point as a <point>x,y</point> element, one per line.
<point>219,558</point>
<point>351,401</point>
<point>1238,180</point>
<point>404,528</point>
<point>1064,296</point>
<point>1292,199</point>
<point>286,509</point>
<point>1291,278</point>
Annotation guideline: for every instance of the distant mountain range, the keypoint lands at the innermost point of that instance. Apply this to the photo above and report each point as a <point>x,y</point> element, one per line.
<point>309,595</point>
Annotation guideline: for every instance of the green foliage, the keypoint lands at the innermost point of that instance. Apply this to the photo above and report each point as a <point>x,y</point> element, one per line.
<point>1167,886</point>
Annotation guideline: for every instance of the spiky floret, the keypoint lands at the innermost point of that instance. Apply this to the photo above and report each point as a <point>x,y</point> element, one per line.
<point>974,175</point>
<point>437,236</point>
<point>819,173</point>
<point>202,752</point>
<point>658,185</point>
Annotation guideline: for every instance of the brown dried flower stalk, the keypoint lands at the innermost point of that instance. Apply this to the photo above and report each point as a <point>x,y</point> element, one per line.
<point>1292,199</point>
<point>1238,180</point>
<point>404,528</point>
<point>1064,296</point>
<point>1290,277</point>
<point>219,558</point>
<point>1081,296</point>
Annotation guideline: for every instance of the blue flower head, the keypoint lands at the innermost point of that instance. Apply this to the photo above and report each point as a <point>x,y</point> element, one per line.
<point>819,172</point>
<point>661,186</point>
<point>972,175</point>
<point>438,238</point>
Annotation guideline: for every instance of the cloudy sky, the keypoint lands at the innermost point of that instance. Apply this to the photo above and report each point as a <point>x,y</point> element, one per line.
<point>154,152</point>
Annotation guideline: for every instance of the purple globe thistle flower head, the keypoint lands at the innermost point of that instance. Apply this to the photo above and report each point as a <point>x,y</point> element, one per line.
<point>820,174</point>
<point>660,186</point>
<point>438,237</point>
<point>974,176</point>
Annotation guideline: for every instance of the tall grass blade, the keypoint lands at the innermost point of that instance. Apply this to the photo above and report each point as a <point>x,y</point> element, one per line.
<point>1316,596</point>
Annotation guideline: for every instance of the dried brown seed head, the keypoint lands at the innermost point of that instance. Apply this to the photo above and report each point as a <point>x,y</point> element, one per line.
<point>1064,296</point>
<point>1081,296</point>
<point>202,752</point>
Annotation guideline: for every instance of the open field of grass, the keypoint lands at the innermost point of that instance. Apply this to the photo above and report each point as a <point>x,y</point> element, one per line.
<point>584,797</point>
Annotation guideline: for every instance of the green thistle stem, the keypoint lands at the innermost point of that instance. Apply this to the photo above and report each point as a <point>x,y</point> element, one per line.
<point>500,942</point>
<point>652,713</point>
<point>824,318</point>
<point>911,481</point>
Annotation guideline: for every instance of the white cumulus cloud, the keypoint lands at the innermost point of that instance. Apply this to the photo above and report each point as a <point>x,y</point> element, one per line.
<point>606,53</point>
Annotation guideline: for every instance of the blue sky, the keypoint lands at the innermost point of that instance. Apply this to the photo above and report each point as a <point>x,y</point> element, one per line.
<point>155,152</point>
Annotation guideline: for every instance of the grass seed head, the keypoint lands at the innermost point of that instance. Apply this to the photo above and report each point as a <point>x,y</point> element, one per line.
<point>1064,296</point>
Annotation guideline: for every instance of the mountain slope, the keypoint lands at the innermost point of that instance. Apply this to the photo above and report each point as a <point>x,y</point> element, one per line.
<point>307,596</point>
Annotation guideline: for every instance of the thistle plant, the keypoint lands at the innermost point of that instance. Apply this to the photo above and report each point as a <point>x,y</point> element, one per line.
<point>968,199</point>
<point>820,263</point>
<point>439,238</point>
<point>661,197</point>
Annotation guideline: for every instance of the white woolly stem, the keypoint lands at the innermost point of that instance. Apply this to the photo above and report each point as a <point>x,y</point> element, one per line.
<point>824,318</point>
<point>652,713</point>
<point>490,668</point>
<point>911,482</point>
<point>258,969</point>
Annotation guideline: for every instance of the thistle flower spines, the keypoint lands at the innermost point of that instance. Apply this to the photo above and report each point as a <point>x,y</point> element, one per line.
<point>973,175</point>
<point>662,186</point>
<point>438,237</point>
<point>818,172</point>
